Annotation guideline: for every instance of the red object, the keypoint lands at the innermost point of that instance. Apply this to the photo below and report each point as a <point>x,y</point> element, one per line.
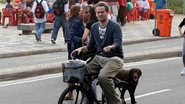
<point>131,16</point>
<point>137,15</point>
<point>152,7</point>
<point>7,13</point>
<point>16,17</point>
<point>39,10</point>
<point>29,17</point>
<point>122,2</point>
<point>146,16</point>
<point>0,17</point>
<point>164,22</point>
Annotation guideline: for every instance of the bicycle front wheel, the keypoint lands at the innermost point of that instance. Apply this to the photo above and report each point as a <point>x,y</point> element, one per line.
<point>78,96</point>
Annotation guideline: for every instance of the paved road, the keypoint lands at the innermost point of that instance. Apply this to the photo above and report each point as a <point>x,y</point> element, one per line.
<point>153,45</point>
<point>161,83</point>
<point>27,66</point>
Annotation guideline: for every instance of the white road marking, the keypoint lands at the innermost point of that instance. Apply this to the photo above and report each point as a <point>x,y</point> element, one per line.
<point>150,61</point>
<point>148,94</point>
<point>152,47</point>
<point>28,80</point>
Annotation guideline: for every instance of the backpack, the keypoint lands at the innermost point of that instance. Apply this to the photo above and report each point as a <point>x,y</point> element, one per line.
<point>58,7</point>
<point>39,10</point>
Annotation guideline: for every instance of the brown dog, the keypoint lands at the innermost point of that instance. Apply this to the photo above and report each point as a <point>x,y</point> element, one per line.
<point>131,79</point>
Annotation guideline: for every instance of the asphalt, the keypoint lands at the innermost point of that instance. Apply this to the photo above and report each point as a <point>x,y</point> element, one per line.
<point>13,44</point>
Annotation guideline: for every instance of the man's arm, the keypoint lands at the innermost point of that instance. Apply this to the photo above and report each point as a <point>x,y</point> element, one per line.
<point>83,49</point>
<point>117,41</point>
<point>117,36</point>
<point>109,48</point>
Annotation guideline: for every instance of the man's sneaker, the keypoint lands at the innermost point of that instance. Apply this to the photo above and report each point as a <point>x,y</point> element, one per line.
<point>183,72</point>
<point>53,41</point>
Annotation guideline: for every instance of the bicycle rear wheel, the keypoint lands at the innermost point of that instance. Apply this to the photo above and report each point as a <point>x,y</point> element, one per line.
<point>78,96</point>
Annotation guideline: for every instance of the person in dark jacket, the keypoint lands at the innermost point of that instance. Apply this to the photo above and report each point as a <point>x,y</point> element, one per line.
<point>60,21</point>
<point>76,24</point>
<point>106,35</point>
<point>122,12</point>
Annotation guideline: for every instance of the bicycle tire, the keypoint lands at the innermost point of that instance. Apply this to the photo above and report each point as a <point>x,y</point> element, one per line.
<point>78,95</point>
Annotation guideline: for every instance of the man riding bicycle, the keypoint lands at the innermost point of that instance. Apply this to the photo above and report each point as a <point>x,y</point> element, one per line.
<point>106,35</point>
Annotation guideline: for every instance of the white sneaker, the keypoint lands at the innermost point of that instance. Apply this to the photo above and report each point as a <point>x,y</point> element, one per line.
<point>183,72</point>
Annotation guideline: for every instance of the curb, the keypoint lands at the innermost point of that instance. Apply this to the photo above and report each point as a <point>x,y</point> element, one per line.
<point>32,52</point>
<point>64,49</point>
<point>154,54</point>
<point>30,71</point>
<point>129,42</point>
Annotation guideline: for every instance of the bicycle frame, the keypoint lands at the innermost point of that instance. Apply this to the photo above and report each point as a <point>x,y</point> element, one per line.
<point>91,95</point>
<point>89,90</point>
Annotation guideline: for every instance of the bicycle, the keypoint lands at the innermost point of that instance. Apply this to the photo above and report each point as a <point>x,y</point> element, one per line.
<point>80,92</point>
<point>82,89</point>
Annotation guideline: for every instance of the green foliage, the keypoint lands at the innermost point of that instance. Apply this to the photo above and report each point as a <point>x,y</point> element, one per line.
<point>176,5</point>
<point>3,1</point>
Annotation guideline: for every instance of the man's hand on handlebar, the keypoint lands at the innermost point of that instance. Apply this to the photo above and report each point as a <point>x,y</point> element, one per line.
<point>108,48</point>
<point>76,52</point>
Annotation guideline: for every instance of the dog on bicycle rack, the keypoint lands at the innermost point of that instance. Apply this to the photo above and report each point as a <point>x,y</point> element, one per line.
<point>128,81</point>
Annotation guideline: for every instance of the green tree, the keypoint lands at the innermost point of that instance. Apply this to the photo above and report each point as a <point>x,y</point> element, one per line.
<point>176,5</point>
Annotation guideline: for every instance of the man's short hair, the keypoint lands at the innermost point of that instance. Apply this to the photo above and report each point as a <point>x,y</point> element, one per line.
<point>102,3</point>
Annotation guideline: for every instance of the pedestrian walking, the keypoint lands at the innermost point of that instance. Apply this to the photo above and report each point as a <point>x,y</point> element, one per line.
<point>60,8</point>
<point>122,12</point>
<point>39,9</point>
<point>183,50</point>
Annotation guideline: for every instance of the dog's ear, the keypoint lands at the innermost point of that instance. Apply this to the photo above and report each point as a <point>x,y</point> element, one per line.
<point>140,72</point>
<point>136,70</point>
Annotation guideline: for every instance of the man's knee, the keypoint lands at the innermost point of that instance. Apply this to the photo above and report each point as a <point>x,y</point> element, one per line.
<point>115,63</point>
<point>101,77</point>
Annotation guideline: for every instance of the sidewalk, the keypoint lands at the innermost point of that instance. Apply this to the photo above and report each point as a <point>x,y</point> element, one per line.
<point>12,44</point>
